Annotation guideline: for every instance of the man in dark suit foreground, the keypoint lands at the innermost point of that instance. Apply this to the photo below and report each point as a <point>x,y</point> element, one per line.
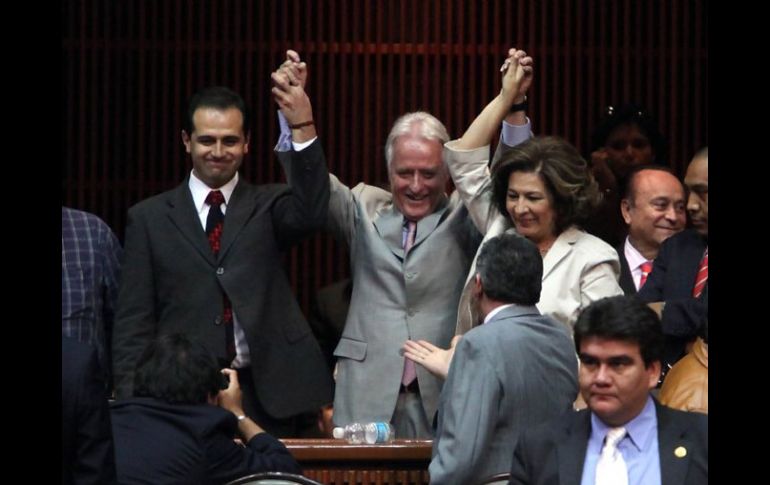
<point>180,426</point>
<point>624,437</point>
<point>87,452</point>
<point>516,370</point>
<point>204,259</point>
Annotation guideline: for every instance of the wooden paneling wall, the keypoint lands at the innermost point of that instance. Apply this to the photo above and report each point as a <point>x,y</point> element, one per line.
<point>129,67</point>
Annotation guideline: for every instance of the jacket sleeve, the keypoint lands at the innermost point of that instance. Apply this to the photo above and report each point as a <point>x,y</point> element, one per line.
<point>135,321</point>
<point>301,209</point>
<point>468,415</point>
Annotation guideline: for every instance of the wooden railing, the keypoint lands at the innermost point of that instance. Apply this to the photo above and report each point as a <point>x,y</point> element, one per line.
<point>335,462</point>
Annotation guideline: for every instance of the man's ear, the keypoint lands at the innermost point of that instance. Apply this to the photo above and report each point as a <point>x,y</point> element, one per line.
<point>625,210</point>
<point>246,143</point>
<point>653,371</point>
<point>186,141</point>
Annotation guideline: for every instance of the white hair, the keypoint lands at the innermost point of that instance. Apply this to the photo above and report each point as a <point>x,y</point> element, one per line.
<point>429,127</point>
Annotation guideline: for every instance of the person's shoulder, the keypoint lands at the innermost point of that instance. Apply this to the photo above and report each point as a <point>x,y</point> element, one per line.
<point>82,218</point>
<point>553,430</point>
<point>592,246</point>
<point>688,419</point>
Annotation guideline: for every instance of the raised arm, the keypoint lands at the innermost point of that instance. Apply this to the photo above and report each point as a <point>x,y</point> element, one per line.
<point>468,157</point>
<point>517,70</point>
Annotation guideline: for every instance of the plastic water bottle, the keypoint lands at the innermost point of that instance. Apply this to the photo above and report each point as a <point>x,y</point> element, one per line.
<point>369,433</point>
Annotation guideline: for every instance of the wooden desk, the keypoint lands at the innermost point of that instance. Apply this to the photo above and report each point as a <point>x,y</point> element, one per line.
<point>335,462</point>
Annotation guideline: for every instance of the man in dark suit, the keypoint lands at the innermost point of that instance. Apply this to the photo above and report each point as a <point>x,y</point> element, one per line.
<point>653,208</point>
<point>487,401</point>
<point>186,271</point>
<point>180,425</point>
<point>625,436</point>
<point>87,451</point>
<point>677,288</point>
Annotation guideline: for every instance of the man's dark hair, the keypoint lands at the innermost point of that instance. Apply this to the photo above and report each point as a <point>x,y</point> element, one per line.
<point>220,98</point>
<point>629,188</point>
<point>565,174</point>
<point>511,269</point>
<point>622,318</point>
<point>630,114</point>
<point>178,370</point>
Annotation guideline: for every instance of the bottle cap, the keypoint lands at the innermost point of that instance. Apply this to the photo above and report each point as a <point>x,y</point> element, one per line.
<point>338,432</point>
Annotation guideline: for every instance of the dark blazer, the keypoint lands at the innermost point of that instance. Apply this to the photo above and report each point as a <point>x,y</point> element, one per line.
<point>672,280</point>
<point>553,454</point>
<point>87,450</point>
<point>162,444</point>
<point>626,281</point>
<point>172,282</point>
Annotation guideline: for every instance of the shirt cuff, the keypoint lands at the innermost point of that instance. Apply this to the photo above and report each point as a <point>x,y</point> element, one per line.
<point>285,142</point>
<point>512,135</point>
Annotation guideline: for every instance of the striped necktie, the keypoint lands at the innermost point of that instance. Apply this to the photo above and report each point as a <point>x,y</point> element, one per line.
<point>703,275</point>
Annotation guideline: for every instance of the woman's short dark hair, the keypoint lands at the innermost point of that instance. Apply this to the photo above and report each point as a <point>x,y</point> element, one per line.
<point>178,370</point>
<point>630,114</point>
<point>565,174</point>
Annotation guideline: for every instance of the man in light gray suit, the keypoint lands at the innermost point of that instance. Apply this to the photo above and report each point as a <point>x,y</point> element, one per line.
<point>410,250</point>
<point>516,370</point>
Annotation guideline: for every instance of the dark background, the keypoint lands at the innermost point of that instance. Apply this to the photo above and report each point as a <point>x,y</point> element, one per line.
<point>128,68</point>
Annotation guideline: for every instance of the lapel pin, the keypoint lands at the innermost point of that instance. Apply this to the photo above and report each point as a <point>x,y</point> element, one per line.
<point>680,452</point>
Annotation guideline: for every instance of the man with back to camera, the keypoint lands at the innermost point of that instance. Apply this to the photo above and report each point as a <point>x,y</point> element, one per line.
<point>653,208</point>
<point>205,259</point>
<point>488,397</point>
<point>677,288</point>
<point>179,426</point>
<point>624,437</point>
<point>410,251</point>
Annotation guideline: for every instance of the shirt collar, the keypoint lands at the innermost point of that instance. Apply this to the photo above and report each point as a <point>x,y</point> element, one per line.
<point>497,310</point>
<point>200,190</point>
<point>641,430</point>
<point>633,256</point>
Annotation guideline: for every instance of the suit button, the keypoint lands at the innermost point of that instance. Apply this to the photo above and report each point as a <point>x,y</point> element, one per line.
<point>409,276</point>
<point>411,312</point>
<point>218,320</point>
<point>220,271</point>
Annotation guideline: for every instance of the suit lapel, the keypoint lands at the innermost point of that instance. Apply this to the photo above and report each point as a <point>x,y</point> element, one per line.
<point>626,281</point>
<point>239,210</point>
<point>571,451</point>
<point>672,444</point>
<point>389,224</point>
<point>560,249</point>
<point>184,217</point>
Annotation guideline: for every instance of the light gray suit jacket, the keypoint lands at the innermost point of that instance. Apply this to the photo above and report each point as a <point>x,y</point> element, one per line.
<point>394,298</point>
<point>578,269</point>
<point>517,370</point>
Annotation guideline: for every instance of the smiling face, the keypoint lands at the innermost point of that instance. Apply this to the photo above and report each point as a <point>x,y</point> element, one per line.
<point>418,176</point>
<point>614,380</point>
<point>530,206</point>
<point>654,211</point>
<point>216,145</point>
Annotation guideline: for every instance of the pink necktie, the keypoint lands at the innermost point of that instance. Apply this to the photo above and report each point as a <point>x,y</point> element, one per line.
<point>410,371</point>
<point>646,270</point>
<point>703,275</point>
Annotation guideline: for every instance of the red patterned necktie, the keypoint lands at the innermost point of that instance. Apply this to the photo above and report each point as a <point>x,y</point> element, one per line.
<point>214,224</point>
<point>646,268</point>
<point>703,275</point>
